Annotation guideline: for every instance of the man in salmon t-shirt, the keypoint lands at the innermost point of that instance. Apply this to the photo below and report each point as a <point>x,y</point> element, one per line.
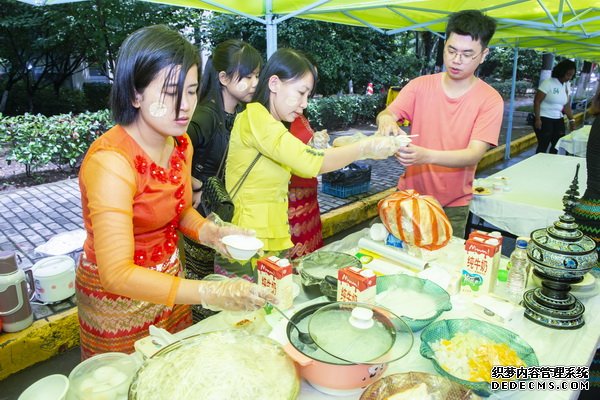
<point>456,116</point>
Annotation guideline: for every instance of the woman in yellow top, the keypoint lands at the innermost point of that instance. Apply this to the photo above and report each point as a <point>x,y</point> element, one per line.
<point>136,194</point>
<point>261,203</point>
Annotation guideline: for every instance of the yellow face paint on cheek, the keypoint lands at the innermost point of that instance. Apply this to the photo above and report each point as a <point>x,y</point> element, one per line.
<point>291,101</point>
<point>157,109</point>
<point>241,86</point>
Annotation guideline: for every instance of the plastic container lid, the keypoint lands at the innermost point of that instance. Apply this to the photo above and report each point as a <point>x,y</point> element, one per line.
<point>53,266</point>
<point>315,266</point>
<point>360,333</point>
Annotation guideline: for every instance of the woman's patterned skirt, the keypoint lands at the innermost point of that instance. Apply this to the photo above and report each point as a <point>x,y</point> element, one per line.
<point>109,322</point>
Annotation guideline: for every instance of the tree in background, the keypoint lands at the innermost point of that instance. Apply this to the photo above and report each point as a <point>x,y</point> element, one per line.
<point>499,65</point>
<point>342,53</point>
<point>42,47</point>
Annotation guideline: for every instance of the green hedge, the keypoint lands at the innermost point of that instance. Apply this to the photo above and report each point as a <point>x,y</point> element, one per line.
<point>339,112</point>
<point>96,95</point>
<point>36,140</point>
<point>46,101</point>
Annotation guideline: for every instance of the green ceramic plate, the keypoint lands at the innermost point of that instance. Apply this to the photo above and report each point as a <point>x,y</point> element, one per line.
<point>446,329</point>
<point>408,290</point>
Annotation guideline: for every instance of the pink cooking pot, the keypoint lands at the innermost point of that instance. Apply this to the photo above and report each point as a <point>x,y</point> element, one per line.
<point>326,372</point>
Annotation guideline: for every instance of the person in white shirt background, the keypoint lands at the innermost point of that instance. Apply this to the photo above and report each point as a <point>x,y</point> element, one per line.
<point>551,101</point>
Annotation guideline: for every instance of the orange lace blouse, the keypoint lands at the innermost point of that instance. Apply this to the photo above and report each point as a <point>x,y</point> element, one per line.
<point>132,209</point>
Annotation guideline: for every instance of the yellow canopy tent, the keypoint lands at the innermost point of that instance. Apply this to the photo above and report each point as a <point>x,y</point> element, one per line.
<point>566,27</point>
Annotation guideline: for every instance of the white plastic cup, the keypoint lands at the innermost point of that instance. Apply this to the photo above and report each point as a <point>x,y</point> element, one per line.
<point>52,387</point>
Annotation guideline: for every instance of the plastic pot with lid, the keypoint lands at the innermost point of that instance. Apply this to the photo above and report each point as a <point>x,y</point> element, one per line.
<point>353,344</point>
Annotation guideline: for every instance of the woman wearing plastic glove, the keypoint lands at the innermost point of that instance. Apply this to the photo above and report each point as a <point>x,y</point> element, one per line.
<point>284,86</point>
<point>136,195</point>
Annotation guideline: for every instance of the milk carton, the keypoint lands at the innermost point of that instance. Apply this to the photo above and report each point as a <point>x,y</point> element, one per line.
<point>488,235</point>
<point>275,274</point>
<point>493,238</point>
<point>357,285</point>
<point>480,270</point>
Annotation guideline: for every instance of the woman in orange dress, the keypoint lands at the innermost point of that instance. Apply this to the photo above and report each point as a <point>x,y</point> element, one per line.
<point>136,195</point>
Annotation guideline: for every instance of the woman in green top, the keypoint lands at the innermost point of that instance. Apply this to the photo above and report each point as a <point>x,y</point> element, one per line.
<point>261,204</point>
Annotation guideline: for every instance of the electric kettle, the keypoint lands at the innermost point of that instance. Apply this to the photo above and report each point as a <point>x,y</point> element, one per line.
<point>15,309</point>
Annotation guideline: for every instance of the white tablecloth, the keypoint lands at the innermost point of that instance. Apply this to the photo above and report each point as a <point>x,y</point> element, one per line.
<point>575,142</point>
<point>552,347</point>
<point>537,186</point>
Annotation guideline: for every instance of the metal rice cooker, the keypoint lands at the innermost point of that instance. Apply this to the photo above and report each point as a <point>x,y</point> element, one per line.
<point>353,344</point>
<point>228,364</point>
<point>54,278</point>
<point>314,267</point>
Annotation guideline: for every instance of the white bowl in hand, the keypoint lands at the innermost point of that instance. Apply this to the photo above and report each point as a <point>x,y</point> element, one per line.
<point>402,140</point>
<point>241,247</point>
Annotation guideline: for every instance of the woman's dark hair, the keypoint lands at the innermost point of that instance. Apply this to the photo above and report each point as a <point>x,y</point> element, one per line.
<point>144,54</point>
<point>286,64</point>
<point>473,23</point>
<point>234,57</point>
<point>561,69</point>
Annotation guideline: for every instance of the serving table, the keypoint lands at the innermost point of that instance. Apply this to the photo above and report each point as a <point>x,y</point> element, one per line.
<point>552,347</point>
<point>575,142</point>
<point>533,200</point>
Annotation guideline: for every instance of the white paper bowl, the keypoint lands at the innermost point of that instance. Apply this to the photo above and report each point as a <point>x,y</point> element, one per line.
<point>403,140</point>
<point>242,247</point>
<point>52,387</point>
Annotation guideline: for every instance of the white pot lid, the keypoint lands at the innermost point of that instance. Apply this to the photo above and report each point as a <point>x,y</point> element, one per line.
<point>53,266</point>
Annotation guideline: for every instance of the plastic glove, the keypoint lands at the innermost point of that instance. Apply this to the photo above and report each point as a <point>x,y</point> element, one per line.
<point>320,139</point>
<point>381,147</point>
<point>387,125</point>
<point>216,229</point>
<point>235,294</point>
<point>346,140</point>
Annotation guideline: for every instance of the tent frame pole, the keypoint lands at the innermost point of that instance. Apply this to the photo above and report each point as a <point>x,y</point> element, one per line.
<point>511,104</point>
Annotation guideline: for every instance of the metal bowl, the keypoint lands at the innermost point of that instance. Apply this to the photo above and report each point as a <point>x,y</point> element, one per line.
<point>314,267</point>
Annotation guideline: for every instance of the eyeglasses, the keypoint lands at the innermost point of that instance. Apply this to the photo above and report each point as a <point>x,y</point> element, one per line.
<point>465,57</point>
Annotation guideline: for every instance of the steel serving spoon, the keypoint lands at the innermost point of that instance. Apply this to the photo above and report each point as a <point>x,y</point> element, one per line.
<point>303,336</point>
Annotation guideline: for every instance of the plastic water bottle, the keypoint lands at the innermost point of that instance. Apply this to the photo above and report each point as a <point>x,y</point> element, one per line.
<point>519,272</point>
